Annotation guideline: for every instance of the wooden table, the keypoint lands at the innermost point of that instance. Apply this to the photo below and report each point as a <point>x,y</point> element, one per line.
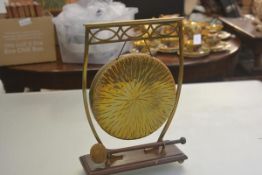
<point>45,133</point>
<point>246,31</point>
<point>57,75</point>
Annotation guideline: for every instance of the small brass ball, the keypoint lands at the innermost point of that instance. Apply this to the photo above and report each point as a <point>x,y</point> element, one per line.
<point>98,153</point>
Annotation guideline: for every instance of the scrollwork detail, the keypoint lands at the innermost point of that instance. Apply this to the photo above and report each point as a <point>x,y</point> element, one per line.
<point>126,33</point>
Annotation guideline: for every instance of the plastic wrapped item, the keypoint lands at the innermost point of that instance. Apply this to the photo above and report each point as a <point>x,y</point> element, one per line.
<point>2,90</point>
<point>257,8</point>
<point>71,32</point>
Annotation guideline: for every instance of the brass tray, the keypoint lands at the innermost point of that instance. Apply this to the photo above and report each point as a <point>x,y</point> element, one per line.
<point>222,46</point>
<point>202,51</point>
<point>165,49</point>
<point>223,35</point>
<point>169,45</point>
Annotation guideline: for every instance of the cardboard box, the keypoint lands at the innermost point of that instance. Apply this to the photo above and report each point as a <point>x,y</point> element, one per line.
<point>27,40</point>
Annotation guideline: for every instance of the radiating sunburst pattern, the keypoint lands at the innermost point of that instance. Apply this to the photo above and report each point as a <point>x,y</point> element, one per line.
<point>133,96</point>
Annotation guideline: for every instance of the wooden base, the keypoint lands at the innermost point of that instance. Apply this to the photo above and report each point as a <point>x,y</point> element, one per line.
<point>134,159</point>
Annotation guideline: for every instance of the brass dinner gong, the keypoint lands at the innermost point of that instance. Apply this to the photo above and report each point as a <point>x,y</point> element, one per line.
<point>131,97</point>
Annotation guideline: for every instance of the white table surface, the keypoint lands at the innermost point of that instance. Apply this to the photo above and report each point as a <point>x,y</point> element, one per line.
<point>45,133</point>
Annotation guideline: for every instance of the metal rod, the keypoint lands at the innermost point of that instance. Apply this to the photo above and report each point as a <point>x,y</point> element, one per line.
<point>180,81</point>
<point>182,140</point>
<point>84,86</point>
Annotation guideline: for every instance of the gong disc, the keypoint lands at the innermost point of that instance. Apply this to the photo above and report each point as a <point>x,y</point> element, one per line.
<point>132,96</point>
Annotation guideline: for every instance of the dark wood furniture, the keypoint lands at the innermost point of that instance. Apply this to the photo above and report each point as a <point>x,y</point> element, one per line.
<point>57,75</point>
<point>248,34</point>
<point>227,8</point>
<point>243,26</point>
<point>149,8</point>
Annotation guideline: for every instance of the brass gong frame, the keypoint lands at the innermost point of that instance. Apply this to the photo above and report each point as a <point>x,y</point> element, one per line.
<point>120,33</point>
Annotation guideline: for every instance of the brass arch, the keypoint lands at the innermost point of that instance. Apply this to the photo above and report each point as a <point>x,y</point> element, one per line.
<point>124,37</point>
